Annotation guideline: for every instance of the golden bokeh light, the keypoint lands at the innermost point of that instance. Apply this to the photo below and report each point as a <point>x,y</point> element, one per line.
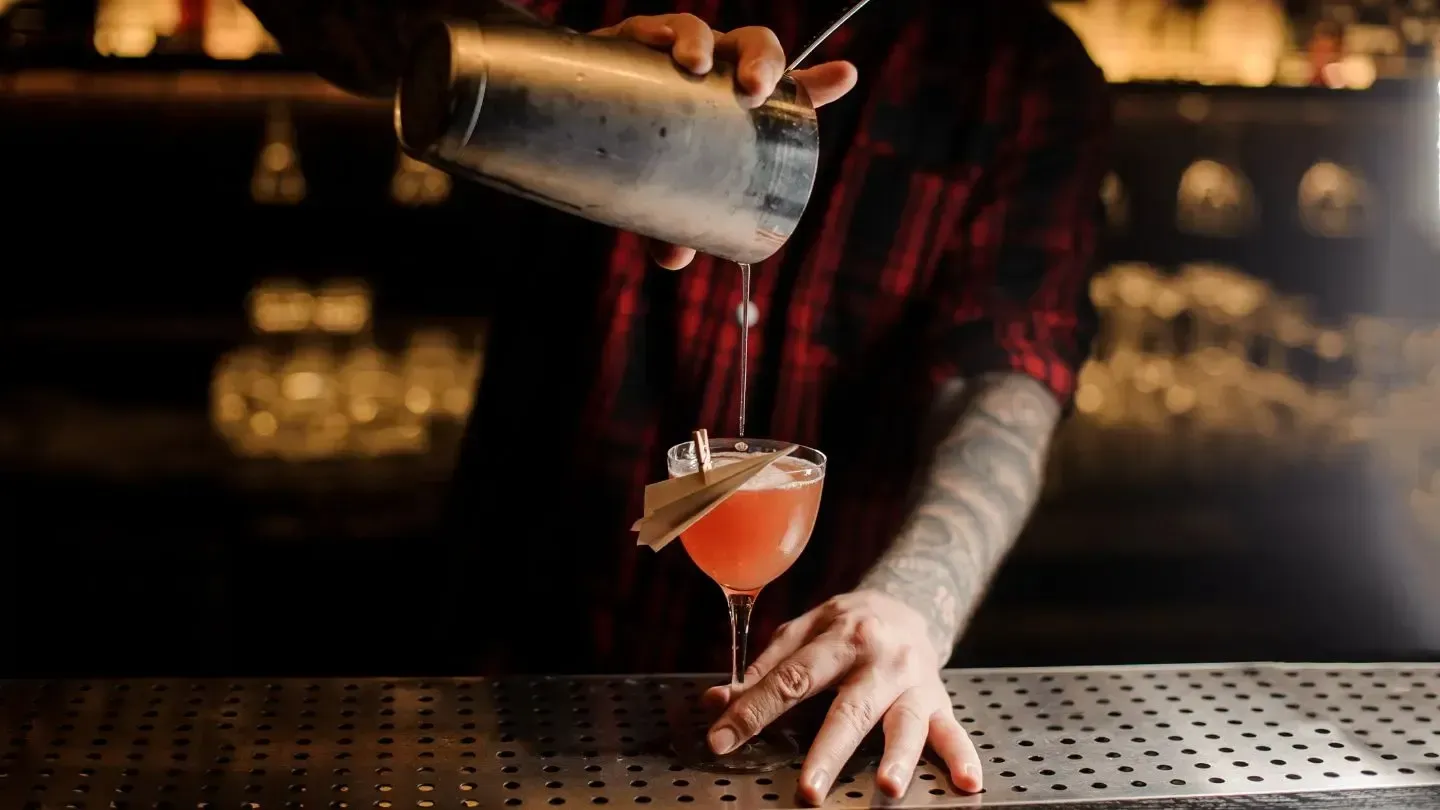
<point>283,305</point>
<point>1334,201</point>
<point>416,184</point>
<point>132,28</point>
<point>278,179</point>
<point>232,33</point>
<point>317,399</point>
<point>1221,42</point>
<point>1330,345</point>
<point>1186,359</point>
<point>1230,42</point>
<point>342,307</point>
<point>1216,200</point>
<point>1193,359</point>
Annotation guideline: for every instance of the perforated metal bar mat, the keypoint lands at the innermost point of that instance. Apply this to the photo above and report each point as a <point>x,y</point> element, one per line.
<point>1045,736</point>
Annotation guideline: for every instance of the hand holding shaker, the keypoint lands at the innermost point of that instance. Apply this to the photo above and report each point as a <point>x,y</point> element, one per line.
<point>612,131</point>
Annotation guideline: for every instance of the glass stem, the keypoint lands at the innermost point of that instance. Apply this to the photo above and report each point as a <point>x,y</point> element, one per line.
<point>740,606</point>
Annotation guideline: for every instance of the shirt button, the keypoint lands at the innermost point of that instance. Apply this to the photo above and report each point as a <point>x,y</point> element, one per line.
<point>747,314</point>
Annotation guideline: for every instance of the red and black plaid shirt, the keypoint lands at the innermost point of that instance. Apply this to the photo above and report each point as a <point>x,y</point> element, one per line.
<point>951,234</point>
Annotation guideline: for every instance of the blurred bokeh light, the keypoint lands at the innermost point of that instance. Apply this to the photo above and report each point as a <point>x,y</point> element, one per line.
<point>240,343</point>
<point>315,386</point>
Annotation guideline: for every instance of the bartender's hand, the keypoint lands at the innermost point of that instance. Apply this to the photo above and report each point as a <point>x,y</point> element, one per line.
<point>877,651</point>
<point>760,63</point>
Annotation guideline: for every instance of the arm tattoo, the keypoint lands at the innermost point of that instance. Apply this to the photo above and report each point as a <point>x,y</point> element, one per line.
<point>984,480</point>
<point>360,45</point>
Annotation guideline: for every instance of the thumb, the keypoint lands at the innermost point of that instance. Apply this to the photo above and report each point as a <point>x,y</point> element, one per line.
<point>827,82</point>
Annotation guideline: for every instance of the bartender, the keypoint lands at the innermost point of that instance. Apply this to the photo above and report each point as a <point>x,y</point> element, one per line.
<point>924,328</point>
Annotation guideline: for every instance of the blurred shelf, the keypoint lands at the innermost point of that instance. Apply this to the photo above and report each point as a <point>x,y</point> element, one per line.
<point>194,86</point>
<point>1386,102</point>
<point>1193,521</point>
<point>68,330</point>
<point>211,82</point>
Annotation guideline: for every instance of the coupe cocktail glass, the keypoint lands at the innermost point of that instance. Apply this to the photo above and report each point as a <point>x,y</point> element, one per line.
<point>743,544</point>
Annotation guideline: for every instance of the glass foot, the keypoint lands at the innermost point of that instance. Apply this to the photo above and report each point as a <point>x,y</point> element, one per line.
<point>768,752</point>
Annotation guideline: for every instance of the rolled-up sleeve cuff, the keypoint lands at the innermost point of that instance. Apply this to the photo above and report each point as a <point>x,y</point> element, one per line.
<point>1048,348</point>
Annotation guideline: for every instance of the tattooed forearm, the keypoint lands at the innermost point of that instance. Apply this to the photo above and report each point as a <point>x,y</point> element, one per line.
<point>983,483</point>
<point>360,45</point>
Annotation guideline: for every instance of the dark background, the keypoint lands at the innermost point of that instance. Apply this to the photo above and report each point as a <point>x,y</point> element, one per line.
<point>141,533</point>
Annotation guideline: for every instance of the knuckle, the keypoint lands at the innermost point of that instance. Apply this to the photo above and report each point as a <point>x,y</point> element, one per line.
<point>857,715</point>
<point>792,680</point>
<point>907,658</point>
<point>629,27</point>
<point>844,629</point>
<point>749,717</point>
<point>907,713</point>
<point>867,634</point>
<point>759,32</point>
<point>952,722</point>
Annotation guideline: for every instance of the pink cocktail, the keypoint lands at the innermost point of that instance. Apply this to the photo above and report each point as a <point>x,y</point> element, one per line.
<point>749,540</point>
<point>756,534</point>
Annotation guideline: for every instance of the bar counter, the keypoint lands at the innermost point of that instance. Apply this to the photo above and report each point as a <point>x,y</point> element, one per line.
<point>1232,735</point>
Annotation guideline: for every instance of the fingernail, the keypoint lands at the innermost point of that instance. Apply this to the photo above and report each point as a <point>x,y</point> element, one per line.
<point>898,775</point>
<point>695,59</point>
<point>722,740</point>
<point>766,77</point>
<point>761,78</point>
<point>819,782</point>
<point>971,773</point>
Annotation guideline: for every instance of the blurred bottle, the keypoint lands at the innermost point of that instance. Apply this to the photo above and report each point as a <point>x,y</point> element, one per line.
<point>1334,201</point>
<point>133,28</point>
<point>342,307</point>
<point>311,424</point>
<point>188,35</point>
<point>431,371</point>
<point>231,31</point>
<point>1324,50</point>
<point>278,179</point>
<point>418,184</point>
<point>244,394</point>
<point>1243,41</point>
<point>1215,200</point>
<point>371,389</point>
<point>281,307</point>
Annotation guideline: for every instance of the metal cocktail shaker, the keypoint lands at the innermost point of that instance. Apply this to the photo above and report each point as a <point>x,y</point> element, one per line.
<point>612,131</point>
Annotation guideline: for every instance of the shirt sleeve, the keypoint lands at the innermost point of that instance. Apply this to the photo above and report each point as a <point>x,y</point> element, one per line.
<point>1015,282</point>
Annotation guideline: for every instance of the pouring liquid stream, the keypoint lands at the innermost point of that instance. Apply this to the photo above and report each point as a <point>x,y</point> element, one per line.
<point>745,310</point>
<point>844,16</point>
